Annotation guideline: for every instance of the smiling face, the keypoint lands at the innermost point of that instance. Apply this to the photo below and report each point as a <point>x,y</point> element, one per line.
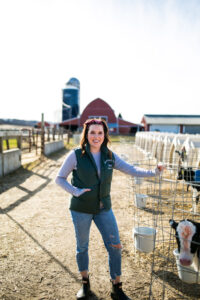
<point>95,137</point>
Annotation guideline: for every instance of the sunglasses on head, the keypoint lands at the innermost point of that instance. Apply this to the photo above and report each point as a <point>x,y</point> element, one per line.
<point>92,121</point>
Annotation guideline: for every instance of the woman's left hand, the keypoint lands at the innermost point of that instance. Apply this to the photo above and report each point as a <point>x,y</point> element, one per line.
<point>161,167</point>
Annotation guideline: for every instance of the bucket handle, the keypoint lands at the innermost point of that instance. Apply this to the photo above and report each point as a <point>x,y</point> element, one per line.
<point>142,235</point>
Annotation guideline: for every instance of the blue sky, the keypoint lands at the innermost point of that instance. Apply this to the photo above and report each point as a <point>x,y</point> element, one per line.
<point>142,57</point>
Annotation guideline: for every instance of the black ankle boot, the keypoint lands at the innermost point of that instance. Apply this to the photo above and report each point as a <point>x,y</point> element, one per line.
<point>84,292</point>
<point>117,292</point>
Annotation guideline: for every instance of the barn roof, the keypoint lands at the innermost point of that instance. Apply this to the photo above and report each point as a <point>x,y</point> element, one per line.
<point>98,107</point>
<point>95,108</point>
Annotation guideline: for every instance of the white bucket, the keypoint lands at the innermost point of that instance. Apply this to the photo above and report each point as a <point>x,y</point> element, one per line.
<point>140,200</point>
<point>138,180</point>
<point>144,238</point>
<point>186,274</point>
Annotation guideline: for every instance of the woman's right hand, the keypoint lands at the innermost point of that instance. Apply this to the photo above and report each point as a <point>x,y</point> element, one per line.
<point>78,192</point>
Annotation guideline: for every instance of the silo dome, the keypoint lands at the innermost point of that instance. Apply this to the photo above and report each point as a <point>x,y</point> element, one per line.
<point>74,82</point>
<point>71,96</point>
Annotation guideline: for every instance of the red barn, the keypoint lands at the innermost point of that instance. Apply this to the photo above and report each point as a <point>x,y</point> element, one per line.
<point>98,108</point>
<point>46,124</point>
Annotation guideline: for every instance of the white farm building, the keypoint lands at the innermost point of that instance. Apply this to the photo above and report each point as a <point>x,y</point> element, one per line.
<point>172,123</point>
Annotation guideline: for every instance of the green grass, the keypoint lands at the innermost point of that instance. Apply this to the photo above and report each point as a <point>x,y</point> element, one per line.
<point>71,145</point>
<point>12,144</point>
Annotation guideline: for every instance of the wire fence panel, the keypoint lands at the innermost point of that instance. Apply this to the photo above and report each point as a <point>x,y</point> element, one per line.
<point>158,200</point>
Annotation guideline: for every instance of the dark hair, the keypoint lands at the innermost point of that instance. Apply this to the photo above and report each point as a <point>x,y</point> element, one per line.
<point>86,126</point>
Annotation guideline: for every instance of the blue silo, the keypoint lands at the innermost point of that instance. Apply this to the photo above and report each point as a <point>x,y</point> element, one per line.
<point>71,98</point>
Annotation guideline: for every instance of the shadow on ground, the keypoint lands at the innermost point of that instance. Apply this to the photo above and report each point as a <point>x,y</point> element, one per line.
<point>191,290</point>
<point>18,177</point>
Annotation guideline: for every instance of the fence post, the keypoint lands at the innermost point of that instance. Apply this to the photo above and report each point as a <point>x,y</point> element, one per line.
<point>54,132</point>
<point>30,142</point>
<point>48,134</point>
<point>19,142</point>
<point>42,135</point>
<point>1,152</point>
<point>36,144</point>
<point>7,144</point>
<point>33,136</point>
<point>1,144</point>
<point>68,136</point>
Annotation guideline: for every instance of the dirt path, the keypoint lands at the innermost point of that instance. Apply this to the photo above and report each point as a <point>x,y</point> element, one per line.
<point>37,243</point>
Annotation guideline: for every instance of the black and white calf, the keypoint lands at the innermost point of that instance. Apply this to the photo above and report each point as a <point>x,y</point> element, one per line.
<point>188,240</point>
<point>190,177</point>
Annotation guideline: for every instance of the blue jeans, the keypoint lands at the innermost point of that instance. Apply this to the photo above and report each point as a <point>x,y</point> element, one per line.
<point>106,223</point>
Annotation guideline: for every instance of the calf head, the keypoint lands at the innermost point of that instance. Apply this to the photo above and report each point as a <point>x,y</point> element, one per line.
<point>188,240</point>
<point>186,173</point>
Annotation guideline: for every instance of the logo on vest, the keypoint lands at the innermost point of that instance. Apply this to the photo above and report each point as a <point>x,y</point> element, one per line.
<point>109,163</point>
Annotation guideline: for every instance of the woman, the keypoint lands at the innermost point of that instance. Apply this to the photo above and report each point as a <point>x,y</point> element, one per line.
<point>92,167</point>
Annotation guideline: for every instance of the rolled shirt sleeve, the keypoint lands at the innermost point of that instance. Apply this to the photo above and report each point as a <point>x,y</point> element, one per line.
<point>67,167</point>
<point>129,169</point>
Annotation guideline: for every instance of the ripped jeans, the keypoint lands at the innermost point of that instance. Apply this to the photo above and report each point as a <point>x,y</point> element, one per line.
<point>106,224</point>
